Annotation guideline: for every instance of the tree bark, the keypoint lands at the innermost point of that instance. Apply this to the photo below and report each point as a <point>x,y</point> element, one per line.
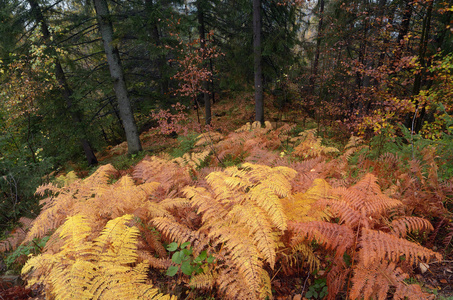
<point>65,89</point>
<point>116,72</point>
<point>314,74</point>
<point>202,33</point>
<point>259,105</point>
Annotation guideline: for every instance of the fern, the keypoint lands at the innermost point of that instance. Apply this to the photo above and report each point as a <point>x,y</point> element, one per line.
<point>311,146</point>
<point>243,218</point>
<point>101,269</point>
<point>362,210</point>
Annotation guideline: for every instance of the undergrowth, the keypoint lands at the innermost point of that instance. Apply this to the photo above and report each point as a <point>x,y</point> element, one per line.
<point>263,204</point>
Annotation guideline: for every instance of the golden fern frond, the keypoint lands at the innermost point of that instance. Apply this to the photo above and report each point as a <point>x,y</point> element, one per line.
<point>244,255</point>
<point>169,174</point>
<point>118,242</point>
<point>347,214</point>
<point>52,215</point>
<point>231,284</point>
<point>205,204</point>
<point>404,225</point>
<point>311,146</point>
<point>265,198</point>
<point>225,183</point>
<point>175,203</point>
<point>192,160</point>
<point>330,236</point>
<point>306,253</point>
<point>74,233</point>
<point>276,178</point>
<point>100,177</point>
<point>377,245</point>
<point>263,236</point>
<point>68,179</point>
<point>176,231</point>
<point>353,142</point>
<point>72,281</point>
<point>203,280</point>
<point>300,207</point>
<point>246,127</point>
<point>208,138</point>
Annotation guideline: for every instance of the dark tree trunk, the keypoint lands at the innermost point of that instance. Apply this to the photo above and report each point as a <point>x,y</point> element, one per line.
<point>65,89</point>
<point>422,58</point>
<point>161,59</point>
<point>116,72</point>
<point>314,74</point>
<point>259,103</point>
<point>202,33</point>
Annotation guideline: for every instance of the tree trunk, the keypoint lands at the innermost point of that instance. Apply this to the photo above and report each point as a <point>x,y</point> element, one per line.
<point>161,59</point>
<point>116,72</point>
<point>419,77</point>
<point>202,32</point>
<point>65,89</point>
<point>259,105</point>
<point>314,74</point>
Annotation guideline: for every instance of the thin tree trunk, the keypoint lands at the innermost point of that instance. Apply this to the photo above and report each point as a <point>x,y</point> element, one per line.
<point>259,105</point>
<point>314,74</point>
<point>161,59</point>
<point>65,89</point>
<point>202,32</point>
<point>422,57</point>
<point>116,72</point>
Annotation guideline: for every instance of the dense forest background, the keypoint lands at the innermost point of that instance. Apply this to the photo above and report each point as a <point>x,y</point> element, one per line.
<point>78,78</point>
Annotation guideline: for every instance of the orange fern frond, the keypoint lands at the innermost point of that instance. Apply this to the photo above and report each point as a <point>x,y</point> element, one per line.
<point>331,236</point>
<point>404,225</point>
<point>380,246</point>
<point>375,281</point>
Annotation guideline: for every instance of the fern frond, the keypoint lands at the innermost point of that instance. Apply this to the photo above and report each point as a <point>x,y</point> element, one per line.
<point>49,187</point>
<point>311,146</point>
<point>208,138</point>
<point>364,199</point>
<point>377,245</point>
<point>192,160</point>
<point>176,231</point>
<point>203,280</point>
<point>264,238</point>
<point>306,252</point>
<point>244,255</point>
<point>231,284</point>
<point>117,242</point>
<point>336,278</point>
<point>265,198</point>
<point>330,236</point>
<point>404,225</point>
<point>17,236</point>
<point>72,280</point>
<point>300,207</point>
<point>74,233</point>
<point>68,179</point>
<point>375,281</point>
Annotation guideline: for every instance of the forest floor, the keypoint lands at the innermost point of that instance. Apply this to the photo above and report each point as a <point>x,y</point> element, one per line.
<point>227,116</point>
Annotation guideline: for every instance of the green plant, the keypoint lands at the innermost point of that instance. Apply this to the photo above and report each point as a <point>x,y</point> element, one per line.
<point>33,247</point>
<point>185,261</point>
<point>186,143</point>
<point>317,290</point>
